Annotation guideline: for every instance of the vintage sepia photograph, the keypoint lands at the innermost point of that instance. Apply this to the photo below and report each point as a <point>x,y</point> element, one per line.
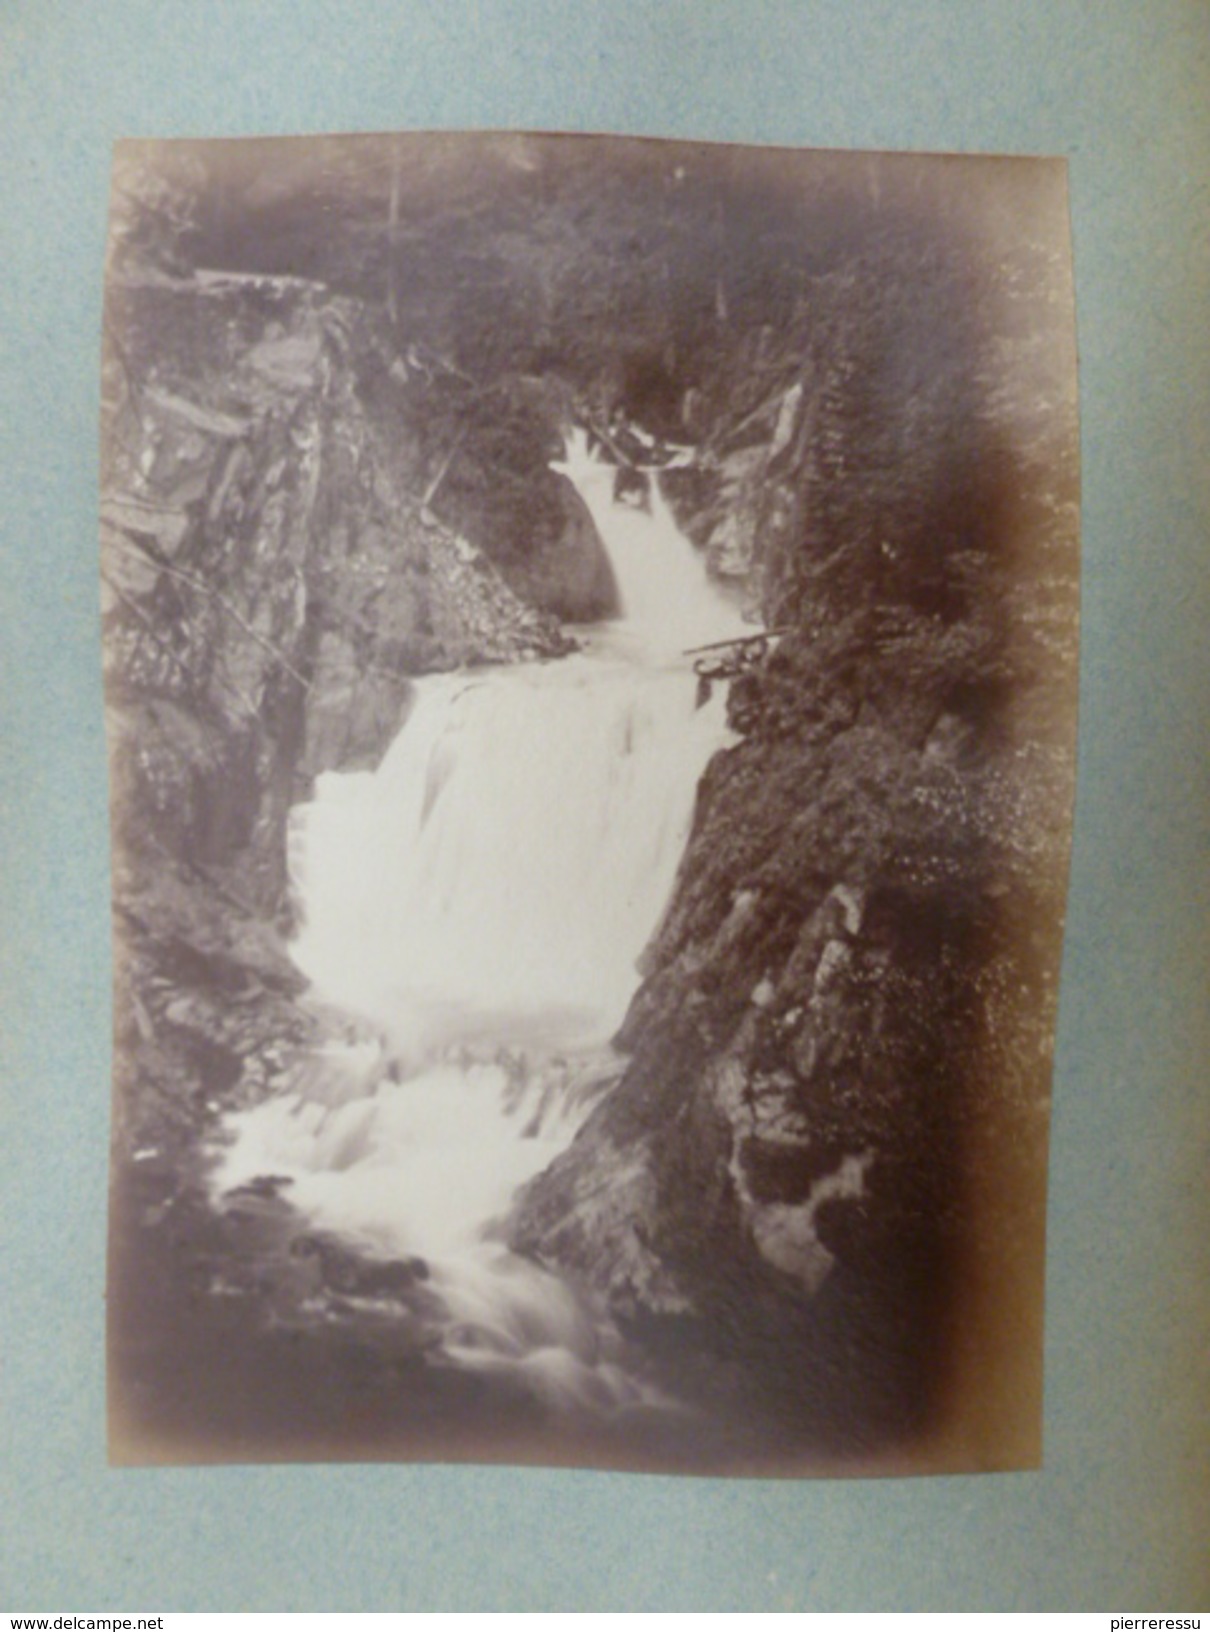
<point>590,653</point>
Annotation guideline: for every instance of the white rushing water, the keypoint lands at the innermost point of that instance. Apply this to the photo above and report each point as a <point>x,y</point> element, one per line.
<point>479,903</point>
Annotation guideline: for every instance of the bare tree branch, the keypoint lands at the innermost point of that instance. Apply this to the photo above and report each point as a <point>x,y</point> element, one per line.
<point>206,589</point>
<point>141,613</point>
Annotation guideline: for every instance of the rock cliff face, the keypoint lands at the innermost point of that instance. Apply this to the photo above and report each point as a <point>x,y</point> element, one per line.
<point>291,532</point>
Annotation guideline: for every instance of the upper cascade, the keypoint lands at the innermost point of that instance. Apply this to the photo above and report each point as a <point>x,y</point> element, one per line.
<point>669,603</point>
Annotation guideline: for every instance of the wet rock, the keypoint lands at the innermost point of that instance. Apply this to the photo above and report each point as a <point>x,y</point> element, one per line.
<point>345,1271</point>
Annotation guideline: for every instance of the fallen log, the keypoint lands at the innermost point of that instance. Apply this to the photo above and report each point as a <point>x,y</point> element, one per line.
<point>739,655</point>
<point>759,635</point>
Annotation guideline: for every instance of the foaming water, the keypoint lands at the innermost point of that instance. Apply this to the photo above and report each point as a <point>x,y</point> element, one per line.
<point>501,872</point>
<point>479,904</point>
<point>417,1167</point>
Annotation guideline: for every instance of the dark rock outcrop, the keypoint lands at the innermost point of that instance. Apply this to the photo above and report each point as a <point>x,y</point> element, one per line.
<point>501,494</point>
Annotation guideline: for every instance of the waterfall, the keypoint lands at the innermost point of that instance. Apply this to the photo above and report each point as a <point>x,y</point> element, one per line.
<point>479,904</point>
<point>503,869</point>
<point>668,602</point>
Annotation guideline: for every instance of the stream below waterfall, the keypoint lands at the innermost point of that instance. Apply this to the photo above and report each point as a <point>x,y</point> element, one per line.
<point>476,907</point>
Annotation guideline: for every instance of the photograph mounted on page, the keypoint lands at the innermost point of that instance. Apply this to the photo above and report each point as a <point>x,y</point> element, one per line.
<point>590,635</point>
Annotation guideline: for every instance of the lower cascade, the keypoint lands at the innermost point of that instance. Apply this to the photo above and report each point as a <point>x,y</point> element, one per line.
<point>477,907</point>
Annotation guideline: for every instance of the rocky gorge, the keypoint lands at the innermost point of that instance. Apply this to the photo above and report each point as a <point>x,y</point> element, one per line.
<point>810,1196</point>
